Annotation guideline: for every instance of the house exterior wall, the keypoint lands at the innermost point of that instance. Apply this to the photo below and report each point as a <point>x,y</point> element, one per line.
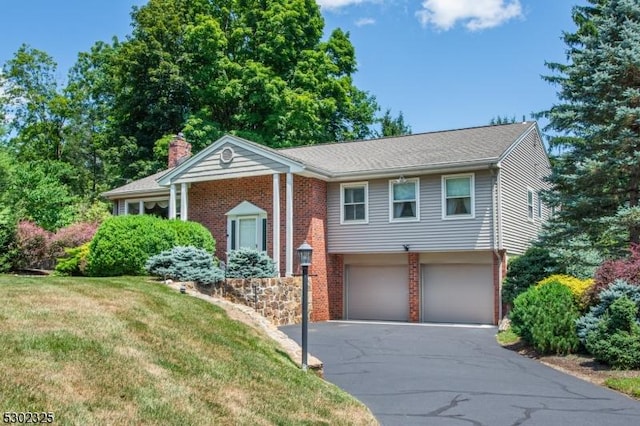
<point>431,233</point>
<point>210,201</point>
<point>245,163</point>
<point>524,167</point>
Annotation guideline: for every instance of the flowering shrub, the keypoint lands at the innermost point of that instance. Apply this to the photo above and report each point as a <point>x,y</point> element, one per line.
<point>577,286</point>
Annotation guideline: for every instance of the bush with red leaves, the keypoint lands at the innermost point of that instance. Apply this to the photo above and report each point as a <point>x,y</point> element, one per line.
<point>627,269</point>
<point>32,244</point>
<point>38,248</point>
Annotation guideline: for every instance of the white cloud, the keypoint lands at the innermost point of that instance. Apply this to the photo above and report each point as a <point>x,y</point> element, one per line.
<point>475,14</point>
<point>337,4</point>
<point>365,21</point>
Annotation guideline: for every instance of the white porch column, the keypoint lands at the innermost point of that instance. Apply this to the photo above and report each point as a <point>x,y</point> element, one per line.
<point>172,201</point>
<point>276,221</point>
<point>140,207</point>
<point>184,201</point>
<point>289,221</point>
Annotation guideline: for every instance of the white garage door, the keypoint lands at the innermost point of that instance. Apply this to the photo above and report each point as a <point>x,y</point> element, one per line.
<point>377,293</point>
<point>459,293</point>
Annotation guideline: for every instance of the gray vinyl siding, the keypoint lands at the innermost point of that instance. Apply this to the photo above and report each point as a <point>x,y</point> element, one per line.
<point>431,233</point>
<point>524,167</point>
<point>245,163</point>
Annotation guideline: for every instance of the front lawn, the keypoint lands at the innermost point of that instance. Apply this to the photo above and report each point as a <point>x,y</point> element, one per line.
<point>130,351</point>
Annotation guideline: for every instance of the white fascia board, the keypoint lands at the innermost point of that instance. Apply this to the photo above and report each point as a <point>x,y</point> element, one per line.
<point>266,152</point>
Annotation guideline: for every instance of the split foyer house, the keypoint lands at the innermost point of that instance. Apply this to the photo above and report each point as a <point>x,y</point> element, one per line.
<point>409,228</point>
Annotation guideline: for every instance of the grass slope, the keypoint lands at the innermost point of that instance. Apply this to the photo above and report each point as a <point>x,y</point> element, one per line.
<point>128,351</point>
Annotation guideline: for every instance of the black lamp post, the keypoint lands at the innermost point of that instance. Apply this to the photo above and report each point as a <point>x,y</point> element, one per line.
<point>304,251</point>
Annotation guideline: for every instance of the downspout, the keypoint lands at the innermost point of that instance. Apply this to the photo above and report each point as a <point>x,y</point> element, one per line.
<point>496,227</point>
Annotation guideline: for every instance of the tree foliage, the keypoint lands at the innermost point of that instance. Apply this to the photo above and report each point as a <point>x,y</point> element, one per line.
<point>390,126</point>
<point>257,69</point>
<point>597,120</point>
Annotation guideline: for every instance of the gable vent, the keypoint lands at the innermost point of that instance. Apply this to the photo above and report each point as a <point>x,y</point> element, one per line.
<point>227,154</point>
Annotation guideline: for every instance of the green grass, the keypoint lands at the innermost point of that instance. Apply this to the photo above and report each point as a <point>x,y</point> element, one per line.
<point>507,337</point>
<point>130,351</point>
<point>628,385</point>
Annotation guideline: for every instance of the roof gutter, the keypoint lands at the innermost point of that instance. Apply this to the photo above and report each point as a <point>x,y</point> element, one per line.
<point>464,166</point>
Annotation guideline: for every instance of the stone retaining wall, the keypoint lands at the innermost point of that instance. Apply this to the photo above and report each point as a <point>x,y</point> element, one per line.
<point>277,299</point>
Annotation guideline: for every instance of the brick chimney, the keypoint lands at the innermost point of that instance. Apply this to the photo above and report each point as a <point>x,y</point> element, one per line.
<point>179,150</point>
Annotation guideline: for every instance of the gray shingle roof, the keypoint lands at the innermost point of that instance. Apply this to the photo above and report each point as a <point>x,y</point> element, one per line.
<point>147,185</point>
<point>444,149</point>
<point>427,150</point>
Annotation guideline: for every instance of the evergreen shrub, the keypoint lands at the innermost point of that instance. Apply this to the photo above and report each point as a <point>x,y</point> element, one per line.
<point>526,270</point>
<point>74,262</point>
<point>249,263</point>
<point>185,264</point>
<point>545,316</point>
<point>123,244</point>
<point>616,340</point>
<point>590,322</point>
<point>577,287</point>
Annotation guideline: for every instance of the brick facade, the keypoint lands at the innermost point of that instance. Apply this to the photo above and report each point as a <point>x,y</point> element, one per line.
<point>414,287</point>
<point>335,284</point>
<point>499,272</point>
<point>179,150</point>
<point>210,201</point>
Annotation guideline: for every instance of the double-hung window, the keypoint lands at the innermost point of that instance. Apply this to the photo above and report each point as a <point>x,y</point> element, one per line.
<point>458,196</point>
<point>354,198</point>
<point>530,203</point>
<point>404,200</point>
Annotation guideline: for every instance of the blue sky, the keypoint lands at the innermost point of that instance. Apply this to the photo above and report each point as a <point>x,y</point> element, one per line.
<point>445,64</point>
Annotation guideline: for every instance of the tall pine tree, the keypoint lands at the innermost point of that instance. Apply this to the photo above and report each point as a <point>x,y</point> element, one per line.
<point>596,175</point>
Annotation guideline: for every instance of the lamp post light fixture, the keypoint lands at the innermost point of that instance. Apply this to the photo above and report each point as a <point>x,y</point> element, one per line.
<point>305,251</point>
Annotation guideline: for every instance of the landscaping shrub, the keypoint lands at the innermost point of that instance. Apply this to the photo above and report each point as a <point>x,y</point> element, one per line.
<point>545,316</point>
<point>590,322</point>
<point>193,234</point>
<point>123,244</point>
<point>8,228</point>
<point>185,264</point>
<point>71,236</point>
<point>577,287</point>
<point>32,247</point>
<point>75,261</point>
<point>616,340</point>
<point>526,270</point>
<point>249,263</point>
<point>627,269</point>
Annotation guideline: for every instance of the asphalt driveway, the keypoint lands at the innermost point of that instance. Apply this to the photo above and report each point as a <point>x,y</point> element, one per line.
<point>410,374</point>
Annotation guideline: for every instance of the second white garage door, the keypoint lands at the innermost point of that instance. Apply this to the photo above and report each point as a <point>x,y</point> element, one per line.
<point>377,293</point>
<point>458,293</point>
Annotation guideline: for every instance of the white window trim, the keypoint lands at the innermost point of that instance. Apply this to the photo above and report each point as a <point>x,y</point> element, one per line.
<point>539,207</point>
<point>141,201</point>
<point>259,230</point>
<point>472,185</point>
<point>366,202</point>
<point>416,181</point>
<point>531,208</point>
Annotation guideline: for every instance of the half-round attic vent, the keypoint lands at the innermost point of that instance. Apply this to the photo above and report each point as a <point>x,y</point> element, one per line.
<point>227,154</point>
